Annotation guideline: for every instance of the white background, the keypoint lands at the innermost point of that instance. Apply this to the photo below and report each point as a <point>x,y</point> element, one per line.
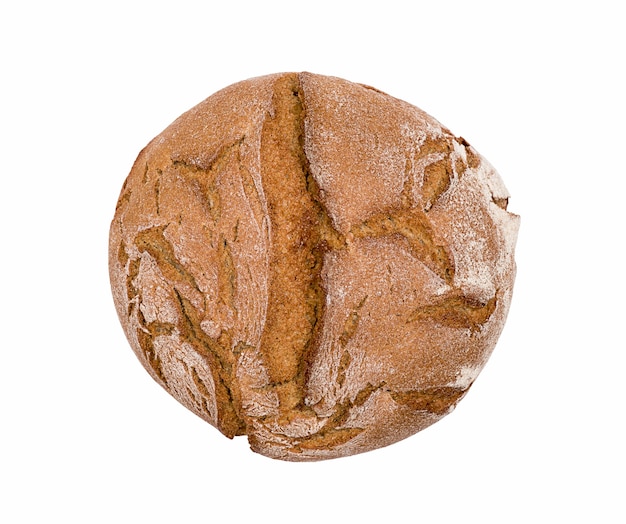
<point>536,87</point>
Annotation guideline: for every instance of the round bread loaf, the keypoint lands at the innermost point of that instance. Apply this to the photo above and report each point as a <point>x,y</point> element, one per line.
<point>312,263</point>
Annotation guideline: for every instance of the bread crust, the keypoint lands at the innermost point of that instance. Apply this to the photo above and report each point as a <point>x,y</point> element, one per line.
<point>312,263</point>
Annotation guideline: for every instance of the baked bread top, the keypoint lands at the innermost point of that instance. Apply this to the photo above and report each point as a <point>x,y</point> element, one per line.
<point>312,263</point>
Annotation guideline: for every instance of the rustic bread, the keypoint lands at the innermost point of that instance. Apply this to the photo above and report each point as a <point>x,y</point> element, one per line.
<point>312,263</point>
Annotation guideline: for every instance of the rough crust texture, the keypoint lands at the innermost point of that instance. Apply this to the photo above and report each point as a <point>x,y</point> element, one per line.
<point>312,263</point>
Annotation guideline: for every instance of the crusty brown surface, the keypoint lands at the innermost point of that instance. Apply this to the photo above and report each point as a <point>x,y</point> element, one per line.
<point>312,263</point>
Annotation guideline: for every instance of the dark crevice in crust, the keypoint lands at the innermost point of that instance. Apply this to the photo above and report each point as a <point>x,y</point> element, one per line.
<point>202,175</point>
<point>204,392</point>
<point>221,364</point>
<point>334,432</point>
<point>124,198</point>
<point>153,242</point>
<point>410,221</point>
<point>343,365</point>
<point>436,400</point>
<point>132,292</point>
<point>214,163</point>
<point>146,334</point>
<point>296,294</point>
<point>438,175</point>
<point>226,277</point>
<point>502,203</point>
<point>302,233</point>
<point>456,311</point>
<point>352,323</point>
<point>473,159</point>
<point>370,88</point>
<point>157,195</point>
<point>407,197</point>
<point>122,255</point>
<point>413,225</point>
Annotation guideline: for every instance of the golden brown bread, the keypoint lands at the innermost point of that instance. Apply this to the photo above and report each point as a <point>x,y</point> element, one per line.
<point>312,263</point>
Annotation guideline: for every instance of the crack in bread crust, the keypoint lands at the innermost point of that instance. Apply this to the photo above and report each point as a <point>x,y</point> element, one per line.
<point>457,311</point>
<point>228,397</point>
<point>434,400</point>
<point>153,242</point>
<point>412,225</point>
<point>296,295</point>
